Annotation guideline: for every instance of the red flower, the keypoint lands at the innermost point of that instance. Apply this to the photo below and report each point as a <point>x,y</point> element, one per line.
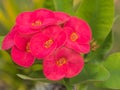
<point>79,35</point>
<point>63,63</point>
<point>22,58</point>
<point>55,37</point>
<point>45,42</point>
<point>32,22</point>
<point>21,53</point>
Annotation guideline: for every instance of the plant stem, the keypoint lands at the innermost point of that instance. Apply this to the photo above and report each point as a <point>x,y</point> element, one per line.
<point>67,84</point>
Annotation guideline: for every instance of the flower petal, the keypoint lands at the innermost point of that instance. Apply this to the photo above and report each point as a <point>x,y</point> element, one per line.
<point>24,22</point>
<point>26,30</point>
<point>44,16</point>
<point>21,41</point>
<point>75,65</point>
<point>8,41</point>
<point>45,13</point>
<point>80,48</point>
<point>61,17</point>
<point>75,62</point>
<point>57,33</point>
<point>61,39</point>
<point>37,45</point>
<point>83,48</point>
<point>81,27</point>
<point>71,67</point>
<point>82,30</point>
<point>33,22</point>
<point>24,18</point>
<point>48,21</point>
<point>51,71</point>
<point>22,58</point>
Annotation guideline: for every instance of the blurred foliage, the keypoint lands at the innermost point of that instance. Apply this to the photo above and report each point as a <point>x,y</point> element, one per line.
<point>112,64</point>
<point>68,8</point>
<point>98,13</point>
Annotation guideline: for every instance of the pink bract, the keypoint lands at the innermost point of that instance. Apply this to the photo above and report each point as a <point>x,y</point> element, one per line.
<point>22,58</point>
<point>61,17</point>
<point>21,41</point>
<point>42,44</point>
<point>71,64</point>
<point>8,41</point>
<point>21,53</point>
<point>79,35</point>
<point>32,22</point>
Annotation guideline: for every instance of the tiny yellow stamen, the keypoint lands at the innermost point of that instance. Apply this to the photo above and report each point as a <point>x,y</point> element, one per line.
<point>28,47</point>
<point>61,61</point>
<point>36,23</point>
<point>94,45</point>
<point>73,37</point>
<point>48,43</point>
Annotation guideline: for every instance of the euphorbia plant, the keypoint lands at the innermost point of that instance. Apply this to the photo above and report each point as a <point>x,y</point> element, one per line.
<point>63,41</point>
<point>56,41</point>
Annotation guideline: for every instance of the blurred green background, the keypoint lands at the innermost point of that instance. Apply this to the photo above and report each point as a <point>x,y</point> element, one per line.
<point>9,9</point>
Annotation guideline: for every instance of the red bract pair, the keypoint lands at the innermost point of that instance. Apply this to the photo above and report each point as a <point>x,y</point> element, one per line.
<point>55,37</point>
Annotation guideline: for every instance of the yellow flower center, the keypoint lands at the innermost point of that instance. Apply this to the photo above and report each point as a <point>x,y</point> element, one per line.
<point>73,37</point>
<point>28,47</point>
<point>36,23</point>
<point>48,43</point>
<point>61,61</point>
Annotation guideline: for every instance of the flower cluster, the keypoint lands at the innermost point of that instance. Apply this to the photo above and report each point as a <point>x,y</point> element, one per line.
<point>55,37</point>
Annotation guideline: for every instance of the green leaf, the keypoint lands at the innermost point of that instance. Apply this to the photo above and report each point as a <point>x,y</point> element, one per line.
<point>93,87</point>
<point>91,73</point>
<point>110,44</point>
<point>1,39</point>
<point>106,46</point>
<point>30,78</point>
<point>101,53</point>
<point>49,4</point>
<point>76,4</point>
<point>37,74</point>
<point>112,63</point>
<point>64,5</point>
<point>81,86</point>
<point>99,14</point>
<point>42,79</point>
<point>38,3</point>
<point>66,82</point>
